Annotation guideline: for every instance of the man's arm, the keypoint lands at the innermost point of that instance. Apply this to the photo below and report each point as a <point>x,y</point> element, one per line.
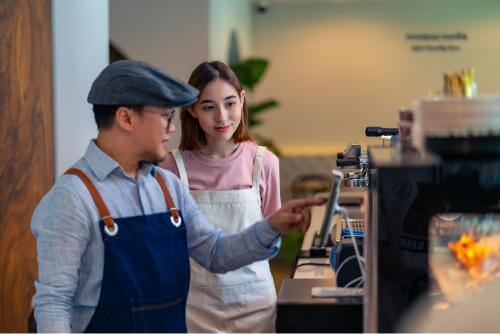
<point>61,228</point>
<point>221,252</point>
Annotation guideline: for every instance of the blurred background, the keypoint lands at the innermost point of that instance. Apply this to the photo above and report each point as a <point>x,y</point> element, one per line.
<point>333,68</point>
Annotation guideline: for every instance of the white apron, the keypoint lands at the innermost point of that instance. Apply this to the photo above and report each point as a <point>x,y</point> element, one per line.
<point>243,300</point>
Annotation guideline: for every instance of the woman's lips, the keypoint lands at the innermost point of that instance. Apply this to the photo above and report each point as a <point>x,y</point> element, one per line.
<point>222,128</point>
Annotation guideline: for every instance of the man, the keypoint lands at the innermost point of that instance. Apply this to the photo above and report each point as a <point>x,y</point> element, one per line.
<point>115,232</point>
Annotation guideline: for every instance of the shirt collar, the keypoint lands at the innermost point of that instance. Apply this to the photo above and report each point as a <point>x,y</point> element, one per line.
<point>100,163</point>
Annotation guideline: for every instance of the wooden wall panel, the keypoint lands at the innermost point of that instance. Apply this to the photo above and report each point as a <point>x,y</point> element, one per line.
<point>26,148</point>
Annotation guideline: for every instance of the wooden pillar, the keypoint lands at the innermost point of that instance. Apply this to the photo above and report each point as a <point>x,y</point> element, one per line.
<point>26,148</point>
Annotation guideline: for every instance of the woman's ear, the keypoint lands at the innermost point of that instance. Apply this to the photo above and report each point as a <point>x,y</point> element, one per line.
<point>191,111</point>
<point>242,96</point>
<point>123,118</point>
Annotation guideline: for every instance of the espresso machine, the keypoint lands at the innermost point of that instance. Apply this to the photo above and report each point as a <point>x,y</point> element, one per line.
<point>456,176</point>
<point>353,161</point>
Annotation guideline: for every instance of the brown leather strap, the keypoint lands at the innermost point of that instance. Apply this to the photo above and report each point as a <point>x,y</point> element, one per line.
<point>170,203</point>
<point>103,209</point>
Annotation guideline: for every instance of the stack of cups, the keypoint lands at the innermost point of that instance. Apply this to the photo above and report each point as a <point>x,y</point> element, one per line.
<point>405,128</point>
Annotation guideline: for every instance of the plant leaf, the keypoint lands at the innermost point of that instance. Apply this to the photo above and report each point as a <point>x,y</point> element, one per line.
<point>262,106</point>
<point>252,122</point>
<point>250,71</point>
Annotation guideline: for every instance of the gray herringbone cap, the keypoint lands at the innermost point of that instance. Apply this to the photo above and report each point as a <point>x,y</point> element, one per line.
<point>131,82</point>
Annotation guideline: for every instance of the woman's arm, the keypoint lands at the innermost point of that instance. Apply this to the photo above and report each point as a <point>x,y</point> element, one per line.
<point>270,184</point>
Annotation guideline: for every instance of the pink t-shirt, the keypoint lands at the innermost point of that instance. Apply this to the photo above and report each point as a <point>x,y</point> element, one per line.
<point>232,173</point>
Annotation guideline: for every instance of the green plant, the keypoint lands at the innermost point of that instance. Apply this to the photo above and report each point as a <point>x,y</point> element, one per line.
<point>250,72</point>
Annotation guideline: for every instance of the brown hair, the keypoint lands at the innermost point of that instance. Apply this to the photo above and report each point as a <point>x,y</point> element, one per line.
<point>192,136</point>
<point>104,115</point>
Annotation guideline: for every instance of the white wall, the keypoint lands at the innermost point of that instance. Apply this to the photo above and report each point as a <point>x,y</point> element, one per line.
<point>172,35</point>
<point>169,34</point>
<point>227,16</point>
<point>80,39</point>
<point>339,66</point>
<point>178,35</point>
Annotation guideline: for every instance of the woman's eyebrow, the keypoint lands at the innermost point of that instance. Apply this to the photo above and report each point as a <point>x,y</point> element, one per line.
<point>226,98</point>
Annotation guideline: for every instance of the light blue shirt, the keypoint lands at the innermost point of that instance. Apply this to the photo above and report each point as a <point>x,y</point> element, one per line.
<point>71,250</point>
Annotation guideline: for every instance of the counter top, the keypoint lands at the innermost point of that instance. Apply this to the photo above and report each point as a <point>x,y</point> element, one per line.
<point>298,312</point>
<point>298,291</point>
<point>306,268</point>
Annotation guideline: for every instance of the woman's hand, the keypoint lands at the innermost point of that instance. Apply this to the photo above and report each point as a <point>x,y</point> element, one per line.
<point>294,215</point>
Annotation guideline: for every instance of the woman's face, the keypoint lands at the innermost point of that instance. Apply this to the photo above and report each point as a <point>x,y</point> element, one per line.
<point>218,110</point>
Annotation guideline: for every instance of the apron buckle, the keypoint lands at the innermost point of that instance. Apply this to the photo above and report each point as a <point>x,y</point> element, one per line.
<point>176,222</point>
<point>113,231</point>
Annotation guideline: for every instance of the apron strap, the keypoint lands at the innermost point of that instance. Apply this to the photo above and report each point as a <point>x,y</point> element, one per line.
<point>109,222</point>
<point>180,166</point>
<point>257,167</point>
<point>168,199</point>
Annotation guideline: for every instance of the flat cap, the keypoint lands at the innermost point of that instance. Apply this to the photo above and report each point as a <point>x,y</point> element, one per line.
<point>132,82</point>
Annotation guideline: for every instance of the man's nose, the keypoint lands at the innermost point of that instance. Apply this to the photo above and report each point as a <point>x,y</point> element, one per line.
<point>171,127</point>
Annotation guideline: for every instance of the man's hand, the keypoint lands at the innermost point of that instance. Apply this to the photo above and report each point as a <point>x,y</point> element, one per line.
<point>293,215</point>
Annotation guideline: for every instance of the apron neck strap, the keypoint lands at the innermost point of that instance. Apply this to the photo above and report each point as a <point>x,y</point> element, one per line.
<point>257,167</point>
<point>179,161</point>
<point>103,209</point>
<point>168,199</point>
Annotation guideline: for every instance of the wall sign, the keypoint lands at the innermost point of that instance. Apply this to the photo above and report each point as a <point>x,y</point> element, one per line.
<point>436,42</point>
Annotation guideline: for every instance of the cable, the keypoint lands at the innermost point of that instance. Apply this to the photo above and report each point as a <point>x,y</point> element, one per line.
<point>340,267</point>
<point>360,282</point>
<point>355,244</point>
<point>349,258</point>
<point>360,278</point>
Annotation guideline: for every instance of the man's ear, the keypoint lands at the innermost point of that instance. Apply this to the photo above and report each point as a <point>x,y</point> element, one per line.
<point>123,118</point>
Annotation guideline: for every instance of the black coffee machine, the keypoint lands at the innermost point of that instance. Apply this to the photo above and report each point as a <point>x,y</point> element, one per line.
<point>407,189</point>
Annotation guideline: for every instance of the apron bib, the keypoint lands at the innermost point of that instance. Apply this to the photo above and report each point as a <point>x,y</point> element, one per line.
<point>243,300</point>
<point>146,269</point>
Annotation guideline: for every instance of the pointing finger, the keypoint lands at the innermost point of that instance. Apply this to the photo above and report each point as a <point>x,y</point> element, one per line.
<point>304,202</point>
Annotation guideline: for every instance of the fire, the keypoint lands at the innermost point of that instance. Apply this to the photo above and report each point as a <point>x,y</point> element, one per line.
<point>469,251</point>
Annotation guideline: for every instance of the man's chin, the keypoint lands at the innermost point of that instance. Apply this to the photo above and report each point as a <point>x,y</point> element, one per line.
<point>159,159</point>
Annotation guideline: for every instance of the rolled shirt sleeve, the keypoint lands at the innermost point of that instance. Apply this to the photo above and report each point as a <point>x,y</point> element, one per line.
<point>62,233</point>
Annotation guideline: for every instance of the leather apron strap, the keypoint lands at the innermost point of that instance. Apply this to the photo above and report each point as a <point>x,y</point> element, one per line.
<point>168,199</point>
<point>103,209</point>
<point>109,222</point>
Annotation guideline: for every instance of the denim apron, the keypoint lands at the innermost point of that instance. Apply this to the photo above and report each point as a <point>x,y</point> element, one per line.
<point>242,300</point>
<point>146,269</point>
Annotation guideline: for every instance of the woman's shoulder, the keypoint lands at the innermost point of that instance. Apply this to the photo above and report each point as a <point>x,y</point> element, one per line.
<point>269,161</point>
<point>270,156</point>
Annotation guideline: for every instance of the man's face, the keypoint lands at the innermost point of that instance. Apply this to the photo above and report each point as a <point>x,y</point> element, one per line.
<point>151,132</point>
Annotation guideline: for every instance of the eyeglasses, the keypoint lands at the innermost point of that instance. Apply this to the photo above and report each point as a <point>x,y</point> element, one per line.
<point>167,114</point>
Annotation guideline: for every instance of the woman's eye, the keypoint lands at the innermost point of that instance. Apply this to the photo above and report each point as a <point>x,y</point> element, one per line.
<point>208,108</point>
<point>231,104</point>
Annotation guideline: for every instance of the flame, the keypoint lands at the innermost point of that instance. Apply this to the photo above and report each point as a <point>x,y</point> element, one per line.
<point>469,252</point>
